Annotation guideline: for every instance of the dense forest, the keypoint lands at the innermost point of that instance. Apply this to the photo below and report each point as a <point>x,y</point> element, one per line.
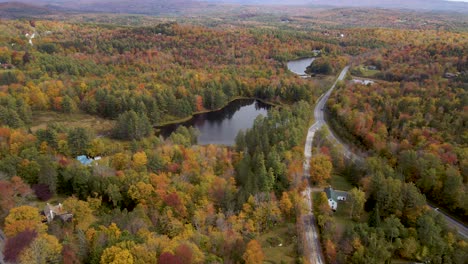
<point>415,117</point>
<point>410,122</point>
<point>181,202</point>
<point>150,199</point>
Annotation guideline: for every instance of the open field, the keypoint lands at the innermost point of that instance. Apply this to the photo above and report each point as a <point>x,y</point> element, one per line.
<point>99,126</point>
<point>339,182</point>
<point>364,71</point>
<point>271,241</point>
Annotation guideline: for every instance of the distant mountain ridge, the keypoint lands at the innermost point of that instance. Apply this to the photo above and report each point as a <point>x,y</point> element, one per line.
<point>18,10</point>
<point>24,8</point>
<point>150,7</point>
<point>442,5</point>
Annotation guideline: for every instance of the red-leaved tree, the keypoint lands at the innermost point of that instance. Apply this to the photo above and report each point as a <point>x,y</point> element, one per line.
<point>14,245</point>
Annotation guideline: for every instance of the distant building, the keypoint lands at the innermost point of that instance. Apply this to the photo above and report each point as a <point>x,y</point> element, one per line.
<point>6,66</point>
<point>85,160</point>
<point>365,82</point>
<point>51,212</point>
<point>334,196</point>
<point>372,67</point>
<point>316,52</point>
<point>450,75</point>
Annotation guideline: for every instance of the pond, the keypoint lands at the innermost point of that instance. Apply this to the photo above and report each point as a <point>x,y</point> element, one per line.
<point>221,127</point>
<point>299,66</point>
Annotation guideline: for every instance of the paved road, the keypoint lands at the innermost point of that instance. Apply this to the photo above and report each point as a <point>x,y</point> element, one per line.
<point>320,121</point>
<point>312,247</point>
<point>460,227</point>
<point>320,118</point>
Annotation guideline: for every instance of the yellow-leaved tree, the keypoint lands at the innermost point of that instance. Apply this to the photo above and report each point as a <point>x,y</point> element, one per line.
<point>44,249</point>
<point>82,213</point>
<point>116,255</point>
<point>139,160</point>
<point>286,205</point>
<point>253,253</point>
<point>21,218</point>
<point>320,168</point>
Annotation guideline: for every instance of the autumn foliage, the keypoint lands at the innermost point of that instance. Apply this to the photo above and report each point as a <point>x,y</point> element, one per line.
<point>15,244</point>
<point>253,253</point>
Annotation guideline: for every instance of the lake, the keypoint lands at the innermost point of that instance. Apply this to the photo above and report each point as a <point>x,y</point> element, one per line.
<point>299,66</point>
<point>221,127</point>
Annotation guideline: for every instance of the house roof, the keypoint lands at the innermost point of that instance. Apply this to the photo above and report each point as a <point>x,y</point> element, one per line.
<point>83,159</point>
<point>333,194</point>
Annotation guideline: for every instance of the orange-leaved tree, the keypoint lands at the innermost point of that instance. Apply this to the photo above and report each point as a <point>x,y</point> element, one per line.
<point>320,168</point>
<point>21,218</point>
<point>253,253</point>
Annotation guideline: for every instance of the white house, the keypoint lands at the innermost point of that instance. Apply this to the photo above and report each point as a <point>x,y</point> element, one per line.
<point>334,196</point>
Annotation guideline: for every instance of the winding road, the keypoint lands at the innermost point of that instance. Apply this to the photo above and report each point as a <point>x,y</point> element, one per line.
<point>312,247</point>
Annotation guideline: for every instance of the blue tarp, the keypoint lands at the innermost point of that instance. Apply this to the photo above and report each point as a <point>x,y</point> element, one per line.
<point>84,160</point>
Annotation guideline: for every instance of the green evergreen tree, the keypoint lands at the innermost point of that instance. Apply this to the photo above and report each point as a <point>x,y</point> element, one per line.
<point>47,173</point>
<point>78,140</point>
<point>374,217</point>
<point>131,126</point>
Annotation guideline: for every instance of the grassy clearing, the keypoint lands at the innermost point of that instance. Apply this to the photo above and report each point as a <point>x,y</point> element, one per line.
<point>341,215</point>
<point>338,182</point>
<point>342,218</point>
<point>99,126</point>
<point>365,72</point>
<point>284,235</point>
<point>56,199</point>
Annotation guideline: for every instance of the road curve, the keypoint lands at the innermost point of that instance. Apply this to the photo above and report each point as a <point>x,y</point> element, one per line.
<point>312,247</point>
<point>320,121</point>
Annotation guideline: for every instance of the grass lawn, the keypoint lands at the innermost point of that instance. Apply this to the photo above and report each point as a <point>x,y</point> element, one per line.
<point>271,241</point>
<point>338,182</point>
<point>365,72</point>
<point>99,126</point>
<point>56,199</point>
<point>341,215</point>
<point>342,219</point>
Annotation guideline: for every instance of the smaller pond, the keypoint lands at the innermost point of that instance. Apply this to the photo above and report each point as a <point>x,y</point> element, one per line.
<point>221,127</point>
<point>299,66</point>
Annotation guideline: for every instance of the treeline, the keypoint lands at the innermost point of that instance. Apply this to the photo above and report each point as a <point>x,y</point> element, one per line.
<point>14,112</point>
<point>327,64</point>
<point>267,159</point>
<point>413,61</point>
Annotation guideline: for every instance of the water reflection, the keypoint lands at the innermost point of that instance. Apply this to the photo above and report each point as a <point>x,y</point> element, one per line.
<point>221,127</point>
<point>299,66</point>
